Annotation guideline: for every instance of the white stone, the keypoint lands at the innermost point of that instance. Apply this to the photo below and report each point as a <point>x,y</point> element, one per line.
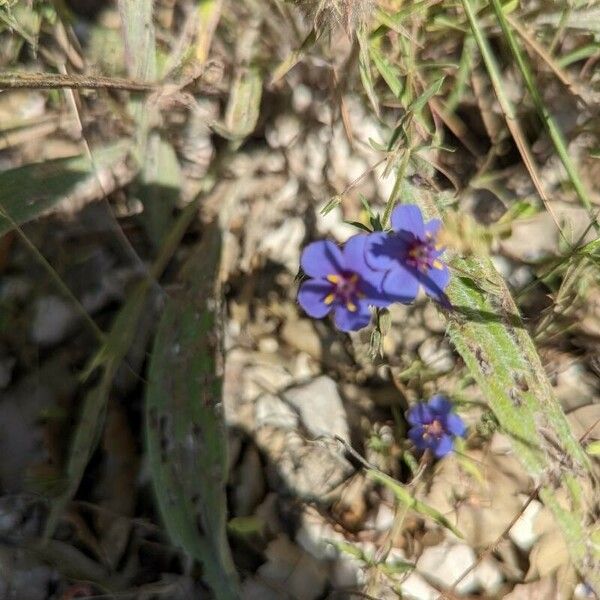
<point>282,245</point>
<point>489,576</point>
<point>53,318</point>
<point>274,412</point>
<point>522,532</point>
<point>437,355</point>
<point>301,97</point>
<point>291,569</point>
<point>321,408</point>
<point>446,562</point>
<point>414,587</point>
<point>284,131</point>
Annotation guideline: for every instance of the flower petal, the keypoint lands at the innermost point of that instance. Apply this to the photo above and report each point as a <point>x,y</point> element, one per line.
<point>408,217</point>
<point>382,251</point>
<point>346,320</point>
<point>419,414</point>
<point>433,226</point>
<point>354,252</point>
<point>455,425</point>
<point>443,446</point>
<point>311,297</point>
<point>435,282</point>
<point>440,405</point>
<point>401,285</point>
<point>322,258</point>
<point>416,436</point>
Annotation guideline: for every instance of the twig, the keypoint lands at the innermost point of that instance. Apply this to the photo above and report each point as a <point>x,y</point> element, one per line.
<point>52,81</point>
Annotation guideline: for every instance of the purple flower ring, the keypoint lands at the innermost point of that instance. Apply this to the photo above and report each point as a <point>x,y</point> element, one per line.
<point>340,281</point>
<point>434,426</point>
<point>410,256</point>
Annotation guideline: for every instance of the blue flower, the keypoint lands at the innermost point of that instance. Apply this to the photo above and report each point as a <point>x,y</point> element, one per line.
<point>434,426</point>
<point>410,256</point>
<point>341,281</point>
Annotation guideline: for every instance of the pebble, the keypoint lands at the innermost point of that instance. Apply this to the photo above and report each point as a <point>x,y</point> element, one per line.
<point>272,411</point>
<point>52,320</point>
<point>301,98</point>
<point>446,562</point>
<point>291,569</point>
<point>320,407</point>
<point>284,131</point>
<point>523,532</point>
<point>282,245</point>
<point>437,355</point>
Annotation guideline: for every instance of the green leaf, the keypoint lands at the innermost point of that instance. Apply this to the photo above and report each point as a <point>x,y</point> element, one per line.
<point>184,424</point>
<point>109,358</point>
<point>404,496</point>
<point>294,57</point>
<point>160,186</point>
<point>364,66</point>
<point>29,191</point>
<point>487,330</point>
<point>140,56</point>
<point>593,448</point>
<point>433,90</point>
<point>243,107</point>
<point>331,204</point>
<point>387,71</point>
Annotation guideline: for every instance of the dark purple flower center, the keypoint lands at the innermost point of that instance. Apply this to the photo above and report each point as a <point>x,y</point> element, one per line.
<point>422,254</point>
<point>345,289</point>
<point>434,429</point>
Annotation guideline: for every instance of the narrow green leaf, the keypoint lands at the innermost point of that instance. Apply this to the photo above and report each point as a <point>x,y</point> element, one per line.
<point>108,358</point>
<point>243,107</point>
<point>364,66</point>
<point>593,448</point>
<point>29,191</point>
<point>184,424</point>
<point>387,71</point>
<point>404,496</point>
<point>433,90</point>
<point>333,202</point>
<point>548,120</point>
<point>84,442</point>
<point>286,65</point>
<point>140,56</point>
<point>159,186</point>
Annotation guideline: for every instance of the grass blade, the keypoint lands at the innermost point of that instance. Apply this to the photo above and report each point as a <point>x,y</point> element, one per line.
<point>404,497</point>
<point>108,358</point>
<point>364,66</point>
<point>544,114</point>
<point>30,191</point>
<point>185,431</point>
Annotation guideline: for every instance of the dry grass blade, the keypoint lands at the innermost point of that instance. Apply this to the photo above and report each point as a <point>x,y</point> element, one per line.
<point>547,119</point>
<point>512,121</point>
<point>50,81</point>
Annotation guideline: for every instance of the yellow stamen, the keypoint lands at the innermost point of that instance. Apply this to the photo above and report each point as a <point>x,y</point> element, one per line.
<point>333,278</point>
<point>329,299</point>
<point>351,306</point>
<point>437,264</point>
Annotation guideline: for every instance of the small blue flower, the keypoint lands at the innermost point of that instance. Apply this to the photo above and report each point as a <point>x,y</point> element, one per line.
<point>341,281</point>
<point>410,256</point>
<point>434,426</point>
